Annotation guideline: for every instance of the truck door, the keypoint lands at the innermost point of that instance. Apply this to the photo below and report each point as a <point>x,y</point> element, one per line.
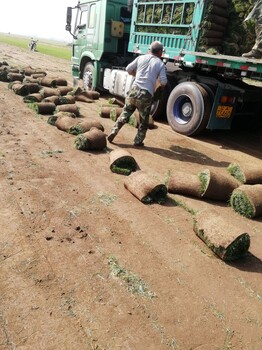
<point>80,34</point>
<point>85,31</point>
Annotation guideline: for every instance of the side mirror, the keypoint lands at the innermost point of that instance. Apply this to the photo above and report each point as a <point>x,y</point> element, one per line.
<point>68,19</point>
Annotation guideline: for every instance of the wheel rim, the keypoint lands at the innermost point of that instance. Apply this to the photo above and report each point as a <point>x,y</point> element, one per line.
<point>88,80</point>
<point>183,110</point>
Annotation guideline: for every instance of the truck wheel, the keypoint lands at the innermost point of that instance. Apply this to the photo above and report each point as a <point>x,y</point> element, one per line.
<point>88,74</point>
<point>188,108</point>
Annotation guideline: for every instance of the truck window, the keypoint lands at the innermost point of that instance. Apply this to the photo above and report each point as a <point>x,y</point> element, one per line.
<point>92,16</point>
<point>82,20</point>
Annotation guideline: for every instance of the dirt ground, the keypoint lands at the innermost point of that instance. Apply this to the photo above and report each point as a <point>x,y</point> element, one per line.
<point>65,217</point>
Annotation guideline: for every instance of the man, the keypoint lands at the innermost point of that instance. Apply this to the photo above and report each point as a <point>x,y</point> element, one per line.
<point>256,14</point>
<point>146,69</point>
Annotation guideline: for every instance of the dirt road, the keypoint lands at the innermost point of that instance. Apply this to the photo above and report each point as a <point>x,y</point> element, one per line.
<point>85,265</point>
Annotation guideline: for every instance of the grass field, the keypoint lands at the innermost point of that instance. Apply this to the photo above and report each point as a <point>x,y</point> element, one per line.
<point>48,47</point>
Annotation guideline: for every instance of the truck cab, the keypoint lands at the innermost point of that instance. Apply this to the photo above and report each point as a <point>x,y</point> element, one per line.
<point>100,39</point>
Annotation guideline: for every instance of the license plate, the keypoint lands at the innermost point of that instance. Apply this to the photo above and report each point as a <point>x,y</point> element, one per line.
<point>224,111</point>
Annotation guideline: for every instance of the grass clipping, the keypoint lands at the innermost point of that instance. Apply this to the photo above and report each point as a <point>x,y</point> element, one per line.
<point>145,188</point>
<point>225,237</point>
<point>134,284</point>
<point>246,200</point>
<point>122,162</point>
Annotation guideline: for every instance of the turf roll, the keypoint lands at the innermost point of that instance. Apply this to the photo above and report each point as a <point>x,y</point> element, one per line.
<point>145,188</point>
<point>181,182</point>
<point>83,125</point>
<point>54,99</point>
<point>18,88</point>
<point>122,162</point>
<point>43,107</point>
<point>246,174</point>
<point>32,87</point>
<point>246,200</point>
<point>93,140</point>
<point>72,108</point>
<point>227,238</point>
<point>93,95</point>
<point>217,185</point>
<point>47,92</point>
<point>82,98</point>
<point>15,76</point>
<point>31,98</point>
<point>66,99</point>
<point>64,90</point>
<point>64,123</point>
<point>46,81</point>
<point>61,82</point>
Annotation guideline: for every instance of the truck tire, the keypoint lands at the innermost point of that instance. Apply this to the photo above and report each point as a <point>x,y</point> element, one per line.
<point>88,74</point>
<point>188,108</point>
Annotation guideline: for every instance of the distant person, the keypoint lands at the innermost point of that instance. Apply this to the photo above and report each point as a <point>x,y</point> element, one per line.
<point>146,69</point>
<point>256,14</point>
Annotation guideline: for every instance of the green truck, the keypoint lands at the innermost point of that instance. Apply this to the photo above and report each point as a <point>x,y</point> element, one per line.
<point>205,90</point>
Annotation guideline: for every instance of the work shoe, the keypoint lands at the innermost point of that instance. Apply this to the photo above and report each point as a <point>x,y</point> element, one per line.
<point>253,54</point>
<point>111,137</point>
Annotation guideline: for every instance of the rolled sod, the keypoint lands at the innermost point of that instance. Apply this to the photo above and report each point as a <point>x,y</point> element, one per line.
<point>94,140</point>
<point>82,98</point>
<point>61,82</point>
<point>18,88</point>
<point>183,183</point>
<point>246,200</point>
<point>217,185</point>
<point>47,92</point>
<point>64,90</point>
<point>105,111</point>
<point>227,238</point>
<point>43,107</point>
<point>145,188</point>
<point>31,98</point>
<point>72,108</point>
<point>122,162</point>
<point>66,99</point>
<point>15,76</point>
<point>83,125</point>
<point>93,95</point>
<point>54,99</point>
<point>64,123</point>
<point>246,174</point>
<point>46,81</point>
<point>32,87</point>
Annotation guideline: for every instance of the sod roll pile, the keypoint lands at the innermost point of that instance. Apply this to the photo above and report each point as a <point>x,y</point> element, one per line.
<point>93,140</point>
<point>227,238</point>
<point>217,185</point>
<point>247,200</point>
<point>122,162</point>
<point>181,182</point>
<point>145,188</point>
<point>246,174</point>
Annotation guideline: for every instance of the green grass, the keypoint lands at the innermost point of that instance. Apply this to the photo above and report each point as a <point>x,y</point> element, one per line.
<point>51,48</point>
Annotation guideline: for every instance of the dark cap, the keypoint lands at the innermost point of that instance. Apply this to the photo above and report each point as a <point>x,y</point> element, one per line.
<point>156,46</point>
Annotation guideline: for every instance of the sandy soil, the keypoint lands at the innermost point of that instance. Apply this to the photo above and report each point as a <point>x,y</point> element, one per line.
<point>65,217</point>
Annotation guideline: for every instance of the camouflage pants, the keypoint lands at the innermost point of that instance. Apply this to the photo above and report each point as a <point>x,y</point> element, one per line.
<point>256,14</point>
<point>141,100</point>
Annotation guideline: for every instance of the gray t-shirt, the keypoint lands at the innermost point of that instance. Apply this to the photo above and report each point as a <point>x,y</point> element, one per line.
<point>148,69</point>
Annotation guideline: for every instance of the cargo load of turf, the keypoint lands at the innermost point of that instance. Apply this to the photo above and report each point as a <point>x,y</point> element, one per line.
<point>222,30</point>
